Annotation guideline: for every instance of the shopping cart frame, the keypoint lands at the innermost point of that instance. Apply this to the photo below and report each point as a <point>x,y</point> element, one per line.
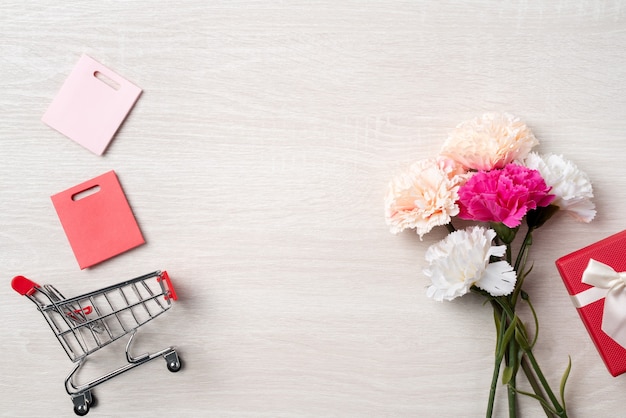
<point>86,323</point>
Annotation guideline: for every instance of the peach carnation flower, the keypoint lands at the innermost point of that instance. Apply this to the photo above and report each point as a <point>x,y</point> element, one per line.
<point>490,141</point>
<point>424,196</point>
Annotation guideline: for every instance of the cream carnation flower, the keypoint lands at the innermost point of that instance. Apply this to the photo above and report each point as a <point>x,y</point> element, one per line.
<point>490,141</point>
<point>424,196</point>
<point>461,260</point>
<point>571,186</point>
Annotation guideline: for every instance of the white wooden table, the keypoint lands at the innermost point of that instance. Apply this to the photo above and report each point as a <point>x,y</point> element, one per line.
<point>256,161</point>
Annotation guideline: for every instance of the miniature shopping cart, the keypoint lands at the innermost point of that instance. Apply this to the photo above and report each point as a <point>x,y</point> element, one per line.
<point>86,323</point>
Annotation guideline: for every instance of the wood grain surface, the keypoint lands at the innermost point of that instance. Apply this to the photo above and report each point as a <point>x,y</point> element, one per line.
<point>256,161</point>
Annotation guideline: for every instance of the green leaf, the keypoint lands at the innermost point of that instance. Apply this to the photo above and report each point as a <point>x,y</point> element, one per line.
<point>506,234</point>
<point>529,269</point>
<point>507,374</point>
<point>508,334</point>
<point>496,319</point>
<point>564,380</point>
<point>521,340</point>
<point>536,319</point>
<point>510,371</point>
<point>543,402</point>
<point>537,217</point>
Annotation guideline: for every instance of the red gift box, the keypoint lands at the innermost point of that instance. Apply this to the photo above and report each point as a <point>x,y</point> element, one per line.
<point>610,251</point>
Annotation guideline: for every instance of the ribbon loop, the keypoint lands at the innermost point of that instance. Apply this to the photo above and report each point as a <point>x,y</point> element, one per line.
<point>613,285</point>
<point>598,274</point>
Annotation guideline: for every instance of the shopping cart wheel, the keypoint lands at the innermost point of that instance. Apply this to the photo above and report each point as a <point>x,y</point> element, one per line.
<point>173,362</point>
<point>83,402</point>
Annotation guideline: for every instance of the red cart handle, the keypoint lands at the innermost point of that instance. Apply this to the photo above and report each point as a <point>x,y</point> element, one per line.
<point>24,286</point>
<point>171,293</point>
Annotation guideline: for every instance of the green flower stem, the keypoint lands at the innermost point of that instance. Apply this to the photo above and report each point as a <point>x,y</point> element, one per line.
<point>528,372</point>
<point>560,411</point>
<point>520,265</point>
<point>508,253</point>
<point>525,346</point>
<point>512,343</point>
<point>498,358</point>
<point>528,238</point>
<point>511,362</point>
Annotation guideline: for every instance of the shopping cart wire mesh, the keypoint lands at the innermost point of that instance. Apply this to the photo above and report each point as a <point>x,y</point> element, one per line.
<point>84,324</point>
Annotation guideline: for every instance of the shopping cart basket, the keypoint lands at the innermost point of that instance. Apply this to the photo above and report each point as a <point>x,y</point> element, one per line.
<point>86,323</point>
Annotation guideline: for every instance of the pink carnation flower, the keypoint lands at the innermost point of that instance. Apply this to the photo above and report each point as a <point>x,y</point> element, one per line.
<point>504,195</point>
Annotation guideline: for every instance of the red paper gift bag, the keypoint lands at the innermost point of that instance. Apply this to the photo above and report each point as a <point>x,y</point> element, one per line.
<point>609,256</point>
<point>97,220</point>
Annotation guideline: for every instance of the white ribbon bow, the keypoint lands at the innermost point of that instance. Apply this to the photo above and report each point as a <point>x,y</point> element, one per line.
<point>610,285</point>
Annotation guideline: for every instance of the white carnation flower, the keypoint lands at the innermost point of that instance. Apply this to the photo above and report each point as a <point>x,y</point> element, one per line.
<point>571,186</point>
<point>461,260</point>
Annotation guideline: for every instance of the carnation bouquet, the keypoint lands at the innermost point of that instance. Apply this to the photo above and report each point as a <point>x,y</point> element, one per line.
<point>486,172</point>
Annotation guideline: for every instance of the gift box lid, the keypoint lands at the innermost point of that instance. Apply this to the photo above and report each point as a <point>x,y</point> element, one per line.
<point>610,251</point>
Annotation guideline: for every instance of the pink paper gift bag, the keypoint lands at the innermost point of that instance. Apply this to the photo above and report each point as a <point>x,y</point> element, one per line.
<point>91,105</point>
